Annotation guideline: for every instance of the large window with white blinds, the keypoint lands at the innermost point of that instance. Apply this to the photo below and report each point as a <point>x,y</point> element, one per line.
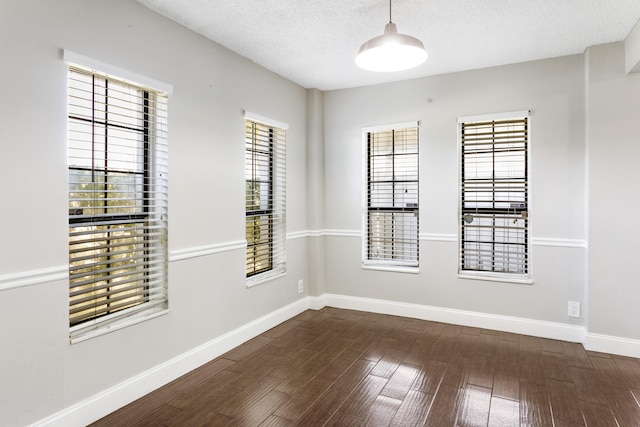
<point>117,159</point>
<point>494,195</point>
<point>391,206</point>
<point>265,204</point>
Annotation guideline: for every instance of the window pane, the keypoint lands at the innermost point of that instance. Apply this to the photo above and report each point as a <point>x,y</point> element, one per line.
<point>405,194</point>
<point>381,168</point>
<point>393,236</point>
<point>94,193</point>
<point>494,224</point>
<point>381,143</point>
<point>392,187</point>
<point>265,167</point>
<point>381,194</point>
<point>117,200</point>
<point>107,270</point>
<point>259,232</point>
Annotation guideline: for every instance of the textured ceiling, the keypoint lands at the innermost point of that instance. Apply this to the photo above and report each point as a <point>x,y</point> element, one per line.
<point>314,42</point>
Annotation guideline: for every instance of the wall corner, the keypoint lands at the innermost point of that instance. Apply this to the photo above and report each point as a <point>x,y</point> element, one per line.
<point>632,50</point>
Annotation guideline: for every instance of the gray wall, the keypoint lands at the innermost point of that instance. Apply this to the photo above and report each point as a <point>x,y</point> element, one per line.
<point>40,372</point>
<point>553,90</point>
<point>613,108</point>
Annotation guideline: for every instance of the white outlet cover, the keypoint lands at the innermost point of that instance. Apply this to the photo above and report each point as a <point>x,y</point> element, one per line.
<point>574,309</point>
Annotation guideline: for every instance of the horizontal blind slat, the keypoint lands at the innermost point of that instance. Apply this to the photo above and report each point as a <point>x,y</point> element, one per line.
<point>117,197</point>
<point>392,196</point>
<point>494,190</point>
<point>265,172</point>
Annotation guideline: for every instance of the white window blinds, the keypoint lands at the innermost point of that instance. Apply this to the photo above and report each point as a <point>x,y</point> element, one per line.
<point>117,157</point>
<point>265,183</point>
<point>494,192</point>
<point>392,214</point>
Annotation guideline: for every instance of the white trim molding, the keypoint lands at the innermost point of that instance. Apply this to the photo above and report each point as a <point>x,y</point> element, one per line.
<point>113,398</point>
<point>112,70</point>
<point>317,303</point>
<point>496,277</point>
<point>518,325</point>
<point>561,243</point>
<point>205,250</point>
<point>453,238</point>
<point>315,233</point>
<point>494,116</point>
<point>391,126</point>
<point>613,345</point>
<point>438,237</point>
<point>367,265</point>
<point>33,277</point>
<point>50,274</point>
<point>342,233</point>
<point>265,120</point>
<point>198,251</point>
<point>298,234</point>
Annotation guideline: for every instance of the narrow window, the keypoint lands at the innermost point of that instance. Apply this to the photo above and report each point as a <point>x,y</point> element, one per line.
<point>391,213</point>
<point>494,196</point>
<point>117,157</point>
<point>265,200</point>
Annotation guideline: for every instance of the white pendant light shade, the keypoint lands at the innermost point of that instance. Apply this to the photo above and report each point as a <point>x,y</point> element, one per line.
<point>391,51</point>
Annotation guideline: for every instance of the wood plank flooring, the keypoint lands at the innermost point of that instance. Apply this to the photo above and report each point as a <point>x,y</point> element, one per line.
<point>341,367</point>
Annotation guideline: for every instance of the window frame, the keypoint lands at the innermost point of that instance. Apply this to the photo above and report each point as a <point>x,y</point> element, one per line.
<point>147,255</point>
<point>275,208</point>
<point>368,262</point>
<point>497,276</point>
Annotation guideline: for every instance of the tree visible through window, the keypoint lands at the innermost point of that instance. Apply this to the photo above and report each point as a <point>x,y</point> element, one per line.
<point>265,198</point>
<point>117,198</point>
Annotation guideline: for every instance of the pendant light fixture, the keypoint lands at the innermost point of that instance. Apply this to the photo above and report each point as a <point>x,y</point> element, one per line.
<point>391,51</point>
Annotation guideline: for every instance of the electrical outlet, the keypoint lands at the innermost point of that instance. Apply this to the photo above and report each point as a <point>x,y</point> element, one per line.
<point>300,286</point>
<point>574,309</point>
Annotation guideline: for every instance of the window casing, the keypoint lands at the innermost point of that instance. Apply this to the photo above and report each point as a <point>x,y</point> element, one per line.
<point>391,221</point>
<point>494,196</point>
<point>117,157</point>
<point>265,204</point>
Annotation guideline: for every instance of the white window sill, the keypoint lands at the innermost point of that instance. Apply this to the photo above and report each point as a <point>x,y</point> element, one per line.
<point>391,268</point>
<point>115,326</point>
<point>502,278</point>
<point>263,278</point>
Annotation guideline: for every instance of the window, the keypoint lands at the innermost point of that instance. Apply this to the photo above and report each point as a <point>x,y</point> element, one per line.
<point>494,195</point>
<point>391,214</point>
<point>265,207</point>
<point>117,157</point>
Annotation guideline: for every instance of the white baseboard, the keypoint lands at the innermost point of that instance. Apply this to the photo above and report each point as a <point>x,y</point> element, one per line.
<point>113,398</point>
<point>614,345</point>
<point>316,303</point>
<point>538,328</point>
<point>560,331</point>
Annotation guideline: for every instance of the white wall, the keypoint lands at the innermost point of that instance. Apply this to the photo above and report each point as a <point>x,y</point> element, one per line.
<point>40,372</point>
<point>614,199</point>
<point>553,90</point>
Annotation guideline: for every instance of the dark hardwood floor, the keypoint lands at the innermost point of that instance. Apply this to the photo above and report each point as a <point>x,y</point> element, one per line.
<point>342,367</point>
